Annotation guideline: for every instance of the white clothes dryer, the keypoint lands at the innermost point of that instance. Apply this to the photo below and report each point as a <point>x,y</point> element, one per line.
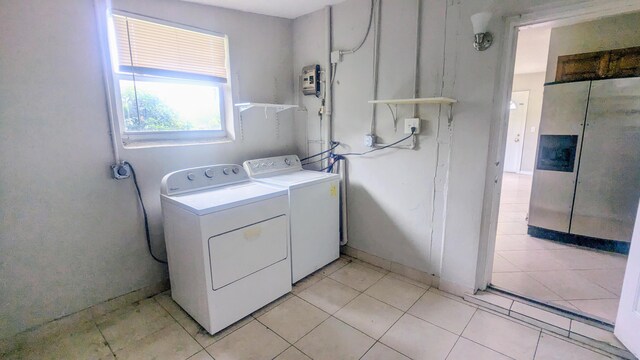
<point>227,241</point>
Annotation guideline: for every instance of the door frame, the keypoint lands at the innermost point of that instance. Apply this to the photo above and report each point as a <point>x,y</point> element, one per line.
<point>524,128</point>
<point>556,15</point>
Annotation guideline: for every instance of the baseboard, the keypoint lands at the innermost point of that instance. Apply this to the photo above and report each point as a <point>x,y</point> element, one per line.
<point>394,267</point>
<point>42,331</point>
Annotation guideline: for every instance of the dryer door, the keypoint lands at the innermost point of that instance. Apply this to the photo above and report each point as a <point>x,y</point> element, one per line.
<point>241,252</point>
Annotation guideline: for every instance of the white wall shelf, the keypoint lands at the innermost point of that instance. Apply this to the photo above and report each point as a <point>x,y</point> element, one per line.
<point>278,107</point>
<point>431,100</point>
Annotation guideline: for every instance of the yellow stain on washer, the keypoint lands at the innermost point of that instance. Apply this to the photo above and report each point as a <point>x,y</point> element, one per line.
<point>333,190</point>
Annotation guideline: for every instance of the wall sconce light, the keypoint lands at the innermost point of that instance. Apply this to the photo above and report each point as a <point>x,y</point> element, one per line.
<point>483,38</point>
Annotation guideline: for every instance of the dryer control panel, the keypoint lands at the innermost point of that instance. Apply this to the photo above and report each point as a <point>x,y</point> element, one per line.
<point>203,177</point>
<point>272,166</point>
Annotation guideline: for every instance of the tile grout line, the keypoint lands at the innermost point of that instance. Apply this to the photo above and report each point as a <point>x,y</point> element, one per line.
<point>537,344</point>
<point>148,335</point>
<point>395,322</point>
<point>104,338</point>
<point>459,336</point>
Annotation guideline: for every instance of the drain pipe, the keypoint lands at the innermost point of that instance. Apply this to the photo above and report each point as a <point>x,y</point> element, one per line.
<point>328,93</point>
<point>341,169</point>
<point>341,166</point>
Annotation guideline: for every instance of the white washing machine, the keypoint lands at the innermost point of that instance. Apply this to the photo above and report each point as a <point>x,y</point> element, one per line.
<point>314,209</point>
<point>227,241</point>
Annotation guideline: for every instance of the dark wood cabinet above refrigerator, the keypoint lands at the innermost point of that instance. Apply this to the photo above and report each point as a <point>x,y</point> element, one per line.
<point>607,64</point>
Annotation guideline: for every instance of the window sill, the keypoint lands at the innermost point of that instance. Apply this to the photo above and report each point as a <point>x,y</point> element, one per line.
<point>143,144</point>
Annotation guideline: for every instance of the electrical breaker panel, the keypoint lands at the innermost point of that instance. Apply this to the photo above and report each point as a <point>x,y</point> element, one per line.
<point>311,80</point>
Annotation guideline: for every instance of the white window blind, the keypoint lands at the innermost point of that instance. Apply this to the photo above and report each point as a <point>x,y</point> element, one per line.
<point>154,49</point>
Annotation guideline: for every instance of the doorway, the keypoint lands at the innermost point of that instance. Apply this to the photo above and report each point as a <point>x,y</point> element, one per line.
<point>515,131</point>
<point>527,262</point>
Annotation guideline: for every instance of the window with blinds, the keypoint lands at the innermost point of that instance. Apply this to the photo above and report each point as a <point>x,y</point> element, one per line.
<point>170,79</point>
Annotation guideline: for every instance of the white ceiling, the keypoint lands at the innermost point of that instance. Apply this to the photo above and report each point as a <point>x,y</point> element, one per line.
<point>290,9</point>
<point>533,50</point>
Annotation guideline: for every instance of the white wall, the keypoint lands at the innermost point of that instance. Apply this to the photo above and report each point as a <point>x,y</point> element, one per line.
<point>391,193</point>
<point>534,83</point>
<point>614,32</point>
<point>70,236</point>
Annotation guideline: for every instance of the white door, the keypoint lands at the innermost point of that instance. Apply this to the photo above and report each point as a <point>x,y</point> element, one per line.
<point>628,319</point>
<point>515,132</point>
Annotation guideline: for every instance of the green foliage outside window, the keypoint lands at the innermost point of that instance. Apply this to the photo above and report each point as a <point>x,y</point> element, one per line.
<point>153,114</point>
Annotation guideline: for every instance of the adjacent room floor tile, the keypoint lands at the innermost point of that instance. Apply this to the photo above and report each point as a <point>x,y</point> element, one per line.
<point>512,228</point>
<point>172,342</point>
<point>132,323</point>
<point>501,264</point>
<point>609,279</point>
<point>553,348</point>
<point>606,309</point>
<point>502,335</point>
<point>419,339</point>
<point>523,284</point>
<point>329,295</point>
<point>534,260</point>
<point>293,318</point>
<point>369,315</point>
<point>444,312</point>
<point>579,258</point>
<point>334,339</point>
<point>252,341</point>
<point>466,349</point>
<point>395,292</point>
<point>570,285</point>
<point>380,351</point>
<point>357,276</point>
<point>292,354</point>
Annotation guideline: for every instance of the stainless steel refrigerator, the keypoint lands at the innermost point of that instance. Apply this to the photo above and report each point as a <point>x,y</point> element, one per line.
<point>586,180</point>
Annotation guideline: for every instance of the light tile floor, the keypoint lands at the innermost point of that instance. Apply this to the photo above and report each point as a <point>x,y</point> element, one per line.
<point>572,277</point>
<point>349,310</point>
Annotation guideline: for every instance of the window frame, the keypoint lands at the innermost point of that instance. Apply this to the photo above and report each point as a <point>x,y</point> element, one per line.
<point>167,137</point>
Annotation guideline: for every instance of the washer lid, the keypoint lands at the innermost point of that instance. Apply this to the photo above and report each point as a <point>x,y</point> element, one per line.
<point>222,198</point>
<point>300,178</point>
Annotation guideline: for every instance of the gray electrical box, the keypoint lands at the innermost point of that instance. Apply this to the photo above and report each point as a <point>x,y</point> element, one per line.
<point>311,80</point>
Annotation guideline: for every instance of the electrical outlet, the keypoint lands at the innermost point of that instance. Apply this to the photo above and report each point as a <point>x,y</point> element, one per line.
<point>369,140</point>
<point>336,56</point>
<point>121,171</point>
<point>410,123</point>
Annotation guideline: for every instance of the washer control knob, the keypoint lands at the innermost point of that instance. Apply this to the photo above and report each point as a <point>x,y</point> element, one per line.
<point>287,161</point>
<point>208,173</point>
<point>235,170</point>
<point>191,176</point>
<point>225,171</point>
